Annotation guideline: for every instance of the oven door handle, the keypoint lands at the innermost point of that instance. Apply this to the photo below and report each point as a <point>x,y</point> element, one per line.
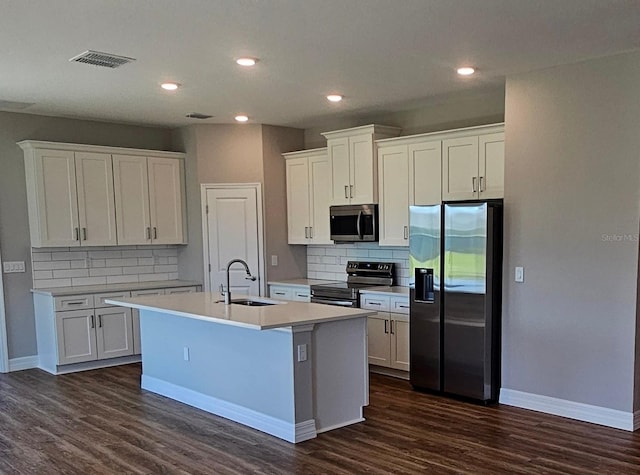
<point>341,303</point>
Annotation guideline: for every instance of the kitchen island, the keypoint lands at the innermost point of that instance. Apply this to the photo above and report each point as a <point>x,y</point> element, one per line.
<point>290,369</point>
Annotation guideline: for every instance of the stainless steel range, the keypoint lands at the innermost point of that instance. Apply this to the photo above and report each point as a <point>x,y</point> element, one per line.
<point>359,275</point>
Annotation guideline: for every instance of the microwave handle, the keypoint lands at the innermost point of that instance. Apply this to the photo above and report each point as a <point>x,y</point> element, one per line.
<point>358,225</point>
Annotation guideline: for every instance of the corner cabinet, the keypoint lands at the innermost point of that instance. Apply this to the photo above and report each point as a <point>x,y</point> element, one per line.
<point>77,195</point>
<point>308,197</point>
<point>473,166</point>
<point>353,163</point>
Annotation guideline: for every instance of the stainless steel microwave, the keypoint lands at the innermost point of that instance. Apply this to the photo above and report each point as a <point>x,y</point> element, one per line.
<point>354,223</point>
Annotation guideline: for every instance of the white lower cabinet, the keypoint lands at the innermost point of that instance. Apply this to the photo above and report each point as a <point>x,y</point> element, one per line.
<point>293,293</point>
<point>94,333</point>
<point>83,329</point>
<point>388,330</point>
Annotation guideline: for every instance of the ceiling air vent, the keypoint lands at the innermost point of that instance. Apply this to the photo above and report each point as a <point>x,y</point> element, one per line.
<point>198,115</point>
<point>106,60</point>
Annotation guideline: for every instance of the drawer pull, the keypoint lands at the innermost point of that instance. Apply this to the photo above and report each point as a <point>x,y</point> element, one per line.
<point>374,303</point>
<point>75,303</point>
<point>279,293</point>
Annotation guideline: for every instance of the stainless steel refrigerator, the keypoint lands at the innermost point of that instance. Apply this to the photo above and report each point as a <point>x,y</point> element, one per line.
<point>455,298</point>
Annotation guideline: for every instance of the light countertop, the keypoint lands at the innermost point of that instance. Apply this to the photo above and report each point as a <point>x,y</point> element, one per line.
<point>306,283</point>
<point>206,306</point>
<point>395,290</point>
<point>105,288</point>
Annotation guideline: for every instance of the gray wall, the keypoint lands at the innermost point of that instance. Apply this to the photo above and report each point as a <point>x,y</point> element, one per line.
<point>245,153</point>
<point>572,181</point>
<point>14,222</point>
<point>477,107</point>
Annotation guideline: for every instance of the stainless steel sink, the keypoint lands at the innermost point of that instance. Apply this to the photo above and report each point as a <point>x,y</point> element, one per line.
<point>252,303</point>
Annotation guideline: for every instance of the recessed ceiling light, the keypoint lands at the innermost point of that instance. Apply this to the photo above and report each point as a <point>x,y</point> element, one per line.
<point>170,86</point>
<point>242,118</point>
<point>247,61</point>
<point>466,71</point>
<point>334,97</point>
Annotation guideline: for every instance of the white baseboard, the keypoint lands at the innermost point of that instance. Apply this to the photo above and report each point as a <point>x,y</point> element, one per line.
<point>289,431</point>
<point>573,410</point>
<point>26,362</point>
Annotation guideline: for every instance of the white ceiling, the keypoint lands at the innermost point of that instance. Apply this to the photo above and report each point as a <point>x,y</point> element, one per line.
<point>381,54</point>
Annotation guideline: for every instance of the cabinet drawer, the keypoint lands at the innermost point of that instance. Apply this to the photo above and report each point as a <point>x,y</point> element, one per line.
<point>281,293</point>
<point>302,295</point>
<point>399,305</point>
<point>98,299</point>
<point>180,290</point>
<point>374,302</point>
<point>73,302</point>
<point>140,293</point>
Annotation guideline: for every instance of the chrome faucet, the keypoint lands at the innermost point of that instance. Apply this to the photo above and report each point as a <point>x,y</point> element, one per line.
<point>227,294</point>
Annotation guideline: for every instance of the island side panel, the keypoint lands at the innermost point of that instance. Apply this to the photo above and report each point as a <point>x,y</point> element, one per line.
<point>340,373</point>
<point>230,371</point>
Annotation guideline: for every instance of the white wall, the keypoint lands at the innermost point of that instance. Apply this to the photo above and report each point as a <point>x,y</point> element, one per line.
<point>572,187</point>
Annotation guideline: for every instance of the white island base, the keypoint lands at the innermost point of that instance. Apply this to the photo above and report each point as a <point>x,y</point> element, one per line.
<point>260,377</point>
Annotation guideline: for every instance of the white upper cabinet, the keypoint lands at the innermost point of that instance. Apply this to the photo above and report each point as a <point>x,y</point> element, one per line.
<point>473,167</point>
<point>86,195</point>
<point>149,199</point>
<point>70,197</point>
<point>96,207</point>
<point>308,197</point>
<point>409,174</point>
<point>353,163</point>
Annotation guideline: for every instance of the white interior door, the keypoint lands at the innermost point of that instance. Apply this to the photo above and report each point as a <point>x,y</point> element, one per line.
<point>233,227</point>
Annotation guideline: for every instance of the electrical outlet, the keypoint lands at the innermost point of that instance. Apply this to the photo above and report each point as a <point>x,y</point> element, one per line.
<point>13,266</point>
<point>185,353</point>
<point>519,277</point>
<point>274,261</point>
<point>302,352</point>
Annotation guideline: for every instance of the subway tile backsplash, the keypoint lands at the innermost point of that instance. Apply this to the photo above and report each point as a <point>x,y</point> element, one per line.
<point>63,267</point>
<point>329,262</point>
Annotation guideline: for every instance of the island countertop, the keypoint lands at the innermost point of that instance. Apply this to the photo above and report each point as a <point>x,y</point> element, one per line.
<point>207,306</point>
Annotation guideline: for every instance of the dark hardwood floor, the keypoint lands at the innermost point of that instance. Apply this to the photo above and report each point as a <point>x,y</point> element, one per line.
<point>102,422</point>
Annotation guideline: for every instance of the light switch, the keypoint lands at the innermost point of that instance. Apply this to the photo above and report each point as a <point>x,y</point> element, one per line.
<point>13,266</point>
<point>519,277</point>
<point>185,352</point>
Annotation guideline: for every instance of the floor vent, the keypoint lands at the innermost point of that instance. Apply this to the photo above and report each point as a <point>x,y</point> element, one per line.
<point>106,60</point>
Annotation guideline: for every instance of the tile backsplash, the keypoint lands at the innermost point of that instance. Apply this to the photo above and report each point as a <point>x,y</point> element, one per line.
<point>71,266</point>
<point>329,262</point>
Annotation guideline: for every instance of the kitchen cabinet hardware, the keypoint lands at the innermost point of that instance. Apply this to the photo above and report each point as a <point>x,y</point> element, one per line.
<point>350,191</point>
<point>386,324</point>
<point>346,187</point>
<point>155,233</point>
<point>77,233</point>
<point>473,184</point>
<point>93,321</point>
<point>84,234</point>
<point>406,232</point>
<point>148,232</point>
<point>306,232</point>
<point>99,321</point>
<point>391,325</point>
<point>481,184</point>
<point>310,232</point>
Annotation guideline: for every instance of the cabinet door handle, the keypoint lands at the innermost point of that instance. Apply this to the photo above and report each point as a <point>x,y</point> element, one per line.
<point>148,232</point>
<point>155,233</point>
<point>77,233</point>
<point>346,191</point>
<point>481,184</point>
<point>473,183</point>
<point>93,321</point>
<point>392,327</point>
<point>350,191</point>
<point>386,327</point>
<point>310,232</point>
<point>84,234</point>
<point>306,232</point>
<point>100,321</point>
<point>406,232</point>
